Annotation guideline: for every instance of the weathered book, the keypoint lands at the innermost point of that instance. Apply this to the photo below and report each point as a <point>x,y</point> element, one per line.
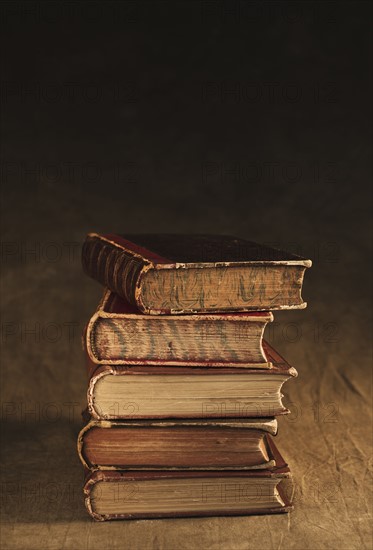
<point>156,494</point>
<point>140,392</point>
<point>118,334</point>
<point>175,274</point>
<point>177,445</point>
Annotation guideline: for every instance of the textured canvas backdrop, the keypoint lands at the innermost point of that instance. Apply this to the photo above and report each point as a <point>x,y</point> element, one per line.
<point>240,118</point>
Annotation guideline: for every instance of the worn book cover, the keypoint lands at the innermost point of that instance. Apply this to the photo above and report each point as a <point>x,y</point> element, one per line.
<point>178,274</point>
<point>118,334</point>
<point>158,494</point>
<point>139,392</point>
<point>201,444</point>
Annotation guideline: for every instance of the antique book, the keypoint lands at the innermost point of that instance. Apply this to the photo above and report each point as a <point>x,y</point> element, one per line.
<point>177,445</point>
<point>156,494</point>
<point>176,274</point>
<point>140,392</point>
<point>118,334</point>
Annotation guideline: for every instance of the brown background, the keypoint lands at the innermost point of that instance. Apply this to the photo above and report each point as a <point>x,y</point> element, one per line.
<point>118,118</point>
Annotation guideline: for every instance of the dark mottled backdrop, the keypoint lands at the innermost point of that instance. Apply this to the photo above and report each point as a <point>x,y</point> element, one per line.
<point>227,117</point>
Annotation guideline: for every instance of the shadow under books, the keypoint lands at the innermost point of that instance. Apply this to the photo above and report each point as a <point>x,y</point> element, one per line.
<point>42,478</point>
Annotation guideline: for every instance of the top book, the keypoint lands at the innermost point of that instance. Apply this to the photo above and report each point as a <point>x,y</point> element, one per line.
<point>176,274</point>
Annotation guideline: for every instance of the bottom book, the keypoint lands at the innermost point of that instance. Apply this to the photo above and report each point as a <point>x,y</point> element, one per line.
<point>159,494</point>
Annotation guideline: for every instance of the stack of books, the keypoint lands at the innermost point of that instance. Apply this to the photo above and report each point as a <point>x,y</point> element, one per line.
<point>184,392</point>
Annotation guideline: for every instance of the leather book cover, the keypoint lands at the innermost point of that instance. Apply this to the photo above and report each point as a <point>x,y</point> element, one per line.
<point>178,274</point>
<point>194,493</point>
<point>226,392</point>
<point>117,334</point>
<point>200,444</point>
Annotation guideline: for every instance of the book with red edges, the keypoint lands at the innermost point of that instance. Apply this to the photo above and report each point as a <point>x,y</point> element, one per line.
<point>178,274</point>
<point>117,494</point>
<point>118,334</point>
<point>141,392</point>
<point>200,444</point>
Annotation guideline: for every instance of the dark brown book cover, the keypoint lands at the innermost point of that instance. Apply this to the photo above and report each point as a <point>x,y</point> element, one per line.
<point>117,494</point>
<point>161,392</point>
<point>178,274</point>
<point>236,444</point>
<point>118,334</point>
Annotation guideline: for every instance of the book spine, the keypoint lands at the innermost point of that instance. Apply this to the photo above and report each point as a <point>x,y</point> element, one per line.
<point>80,446</point>
<point>87,489</point>
<point>114,267</point>
<point>96,375</point>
